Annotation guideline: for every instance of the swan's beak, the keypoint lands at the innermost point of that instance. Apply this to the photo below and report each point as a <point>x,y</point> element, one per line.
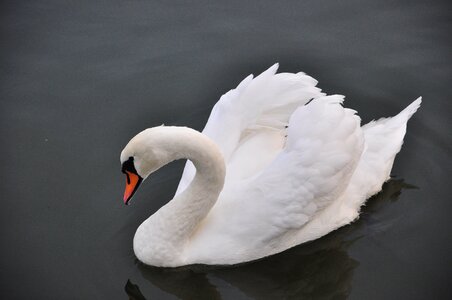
<point>132,183</point>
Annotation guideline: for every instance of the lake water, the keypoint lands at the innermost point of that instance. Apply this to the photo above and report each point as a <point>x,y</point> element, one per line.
<point>79,79</point>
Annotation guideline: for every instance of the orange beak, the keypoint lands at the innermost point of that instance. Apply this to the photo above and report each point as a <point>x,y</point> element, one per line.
<point>132,183</point>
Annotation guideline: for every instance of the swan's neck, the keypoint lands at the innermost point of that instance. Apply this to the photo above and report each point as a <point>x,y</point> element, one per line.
<point>163,236</point>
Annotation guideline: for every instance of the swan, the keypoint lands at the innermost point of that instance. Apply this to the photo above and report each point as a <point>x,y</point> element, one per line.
<point>279,163</point>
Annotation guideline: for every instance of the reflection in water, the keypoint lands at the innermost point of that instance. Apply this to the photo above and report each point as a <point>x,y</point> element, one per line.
<point>320,269</point>
<point>133,291</point>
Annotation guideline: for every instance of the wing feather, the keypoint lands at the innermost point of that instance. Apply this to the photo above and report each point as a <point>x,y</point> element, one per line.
<point>324,145</point>
<point>249,115</point>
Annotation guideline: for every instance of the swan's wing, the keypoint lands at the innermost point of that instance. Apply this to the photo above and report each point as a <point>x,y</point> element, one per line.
<point>324,145</point>
<point>254,115</point>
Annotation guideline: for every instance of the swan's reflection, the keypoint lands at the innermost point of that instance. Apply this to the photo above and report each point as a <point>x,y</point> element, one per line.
<point>133,291</point>
<point>318,270</point>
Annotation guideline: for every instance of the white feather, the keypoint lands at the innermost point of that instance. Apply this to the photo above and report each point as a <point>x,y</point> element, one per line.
<point>283,186</point>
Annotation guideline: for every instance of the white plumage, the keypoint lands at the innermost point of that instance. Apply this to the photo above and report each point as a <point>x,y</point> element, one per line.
<point>271,171</point>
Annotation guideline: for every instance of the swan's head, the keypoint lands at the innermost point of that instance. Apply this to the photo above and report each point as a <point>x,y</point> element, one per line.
<point>144,154</point>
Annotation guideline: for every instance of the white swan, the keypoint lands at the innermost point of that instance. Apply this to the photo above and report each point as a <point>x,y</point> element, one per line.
<point>268,172</point>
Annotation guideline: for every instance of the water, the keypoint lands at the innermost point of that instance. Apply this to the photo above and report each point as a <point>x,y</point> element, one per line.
<point>79,79</point>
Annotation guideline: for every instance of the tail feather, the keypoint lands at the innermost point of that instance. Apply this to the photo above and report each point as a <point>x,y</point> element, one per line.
<point>396,121</point>
<point>383,140</point>
<point>411,109</point>
<point>402,118</point>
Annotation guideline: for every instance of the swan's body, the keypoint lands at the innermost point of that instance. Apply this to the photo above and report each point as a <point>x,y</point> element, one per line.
<point>254,187</point>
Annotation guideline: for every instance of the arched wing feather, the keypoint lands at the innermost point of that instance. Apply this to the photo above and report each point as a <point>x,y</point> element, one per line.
<point>264,102</point>
<point>324,145</point>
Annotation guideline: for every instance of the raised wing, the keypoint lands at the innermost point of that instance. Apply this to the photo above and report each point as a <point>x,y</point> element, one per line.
<point>324,145</point>
<point>254,116</point>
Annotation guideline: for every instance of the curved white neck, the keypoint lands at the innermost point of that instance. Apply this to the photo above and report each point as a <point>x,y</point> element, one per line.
<point>164,234</point>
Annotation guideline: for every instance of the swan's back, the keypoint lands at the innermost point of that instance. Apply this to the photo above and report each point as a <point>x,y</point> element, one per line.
<point>295,170</point>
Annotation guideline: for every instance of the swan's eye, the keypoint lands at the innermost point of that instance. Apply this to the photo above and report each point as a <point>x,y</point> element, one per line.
<point>128,165</point>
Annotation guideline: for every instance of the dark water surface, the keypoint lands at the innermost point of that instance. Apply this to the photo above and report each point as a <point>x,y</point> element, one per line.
<point>80,78</point>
